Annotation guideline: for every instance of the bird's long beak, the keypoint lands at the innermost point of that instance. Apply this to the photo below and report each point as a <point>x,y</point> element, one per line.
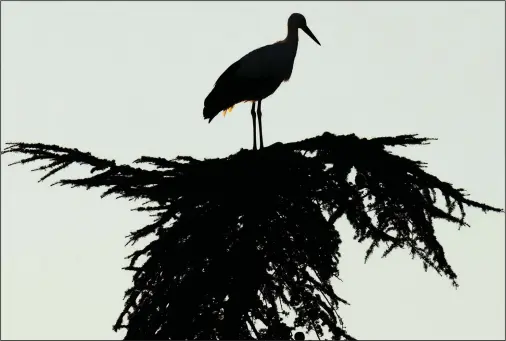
<point>309,33</point>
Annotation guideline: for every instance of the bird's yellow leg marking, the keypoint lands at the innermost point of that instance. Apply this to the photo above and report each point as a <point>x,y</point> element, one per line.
<point>228,110</point>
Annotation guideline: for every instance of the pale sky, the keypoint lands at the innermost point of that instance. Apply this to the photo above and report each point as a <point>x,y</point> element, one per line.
<point>125,79</point>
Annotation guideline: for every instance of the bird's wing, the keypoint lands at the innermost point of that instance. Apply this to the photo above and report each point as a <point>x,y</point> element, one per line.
<point>268,61</point>
<point>229,73</point>
<point>273,61</point>
<point>240,68</point>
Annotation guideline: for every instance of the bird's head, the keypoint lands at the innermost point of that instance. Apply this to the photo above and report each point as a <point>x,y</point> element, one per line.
<point>296,21</point>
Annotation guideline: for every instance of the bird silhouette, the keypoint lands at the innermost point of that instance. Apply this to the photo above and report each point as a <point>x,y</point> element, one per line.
<point>257,75</point>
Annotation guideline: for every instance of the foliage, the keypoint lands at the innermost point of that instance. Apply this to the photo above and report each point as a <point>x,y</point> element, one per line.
<point>243,240</point>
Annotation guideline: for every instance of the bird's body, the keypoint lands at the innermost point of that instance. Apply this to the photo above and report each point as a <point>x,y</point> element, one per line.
<point>254,77</point>
<point>257,75</point>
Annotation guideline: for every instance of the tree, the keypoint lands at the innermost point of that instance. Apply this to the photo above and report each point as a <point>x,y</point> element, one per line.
<point>242,241</point>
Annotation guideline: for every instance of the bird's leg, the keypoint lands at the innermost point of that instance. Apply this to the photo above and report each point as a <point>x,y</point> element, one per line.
<point>254,117</point>
<point>259,114</point>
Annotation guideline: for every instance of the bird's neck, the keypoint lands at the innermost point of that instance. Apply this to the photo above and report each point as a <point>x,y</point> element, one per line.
<point>292,37</point>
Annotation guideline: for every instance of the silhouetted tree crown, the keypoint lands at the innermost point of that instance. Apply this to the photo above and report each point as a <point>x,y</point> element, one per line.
<point>241,241</point>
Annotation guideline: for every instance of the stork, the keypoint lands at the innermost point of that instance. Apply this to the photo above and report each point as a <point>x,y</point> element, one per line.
<point>256,76</point>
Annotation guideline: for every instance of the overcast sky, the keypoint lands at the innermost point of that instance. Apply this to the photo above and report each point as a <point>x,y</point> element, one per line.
<point>125,79</point>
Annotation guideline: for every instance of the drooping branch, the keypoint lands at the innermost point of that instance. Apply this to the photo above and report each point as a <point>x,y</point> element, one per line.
<point>238,235</point>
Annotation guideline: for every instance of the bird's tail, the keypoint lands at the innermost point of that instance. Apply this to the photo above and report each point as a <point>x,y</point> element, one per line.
<point>210,113</point>
<point>215,103</point>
